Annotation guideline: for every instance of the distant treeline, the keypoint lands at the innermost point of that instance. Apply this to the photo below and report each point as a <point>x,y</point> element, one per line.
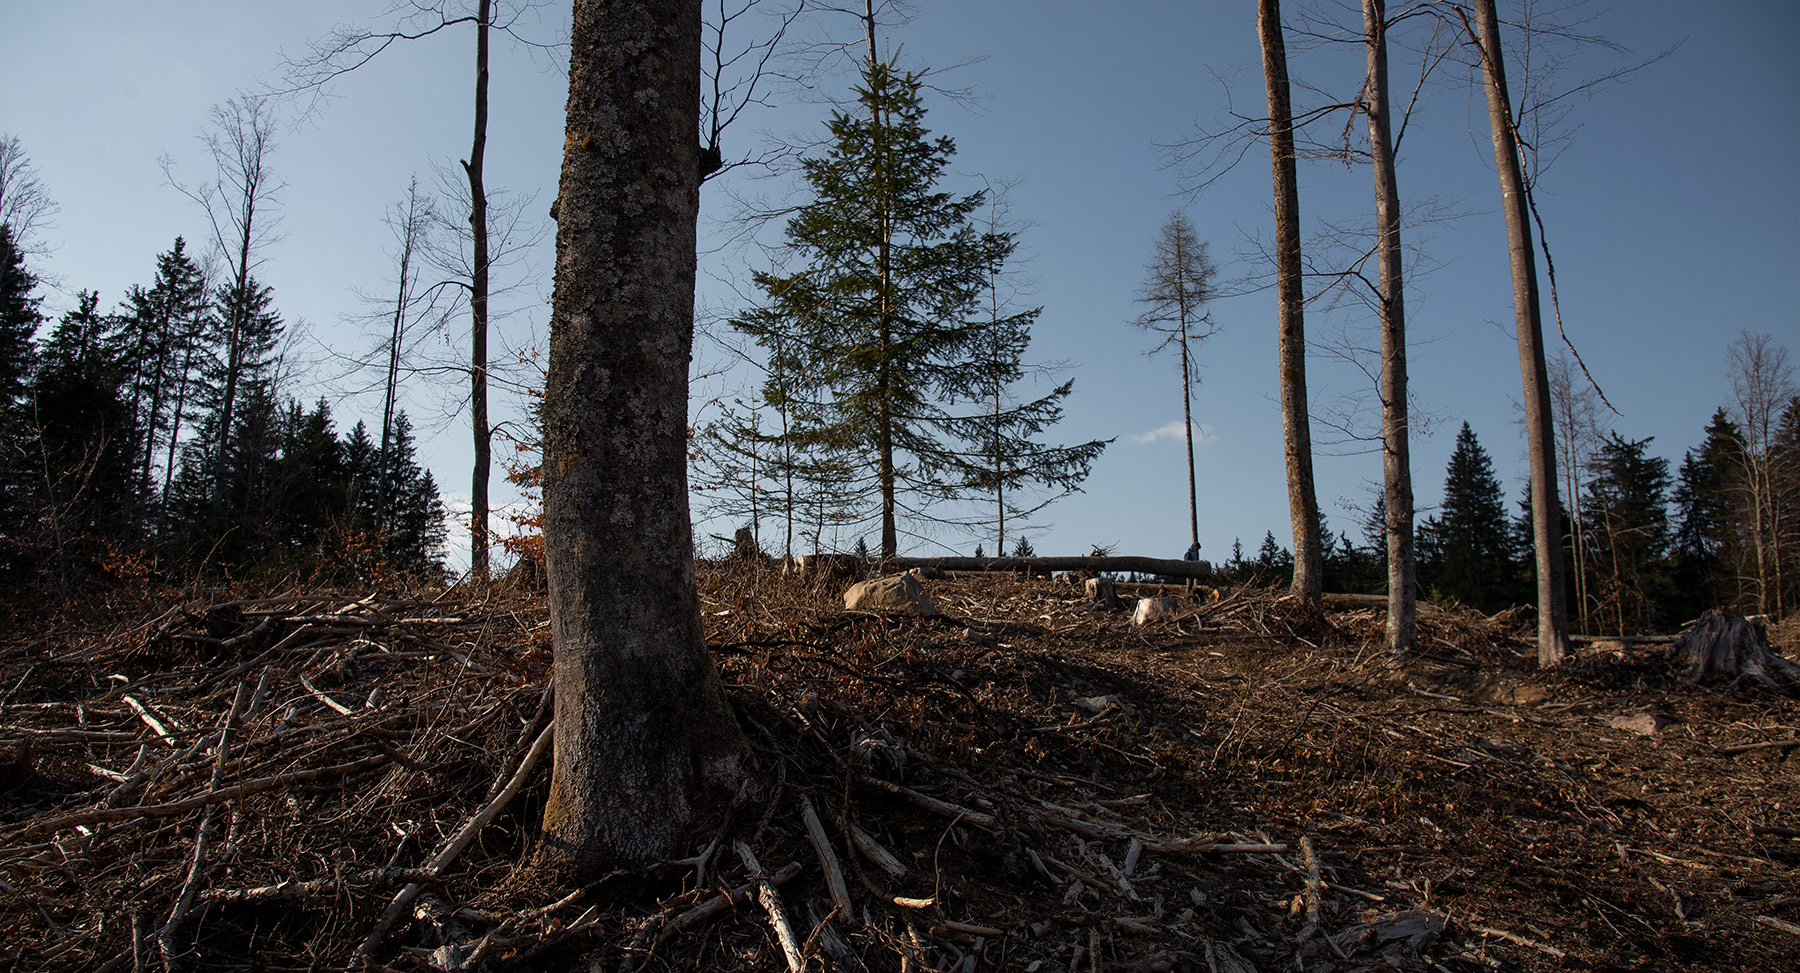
<point>156,436</point>
<point>1645,550</point>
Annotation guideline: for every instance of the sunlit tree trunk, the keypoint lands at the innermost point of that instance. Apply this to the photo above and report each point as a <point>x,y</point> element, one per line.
<point>1290,301</point>
<point>1540,433</point>
<point>1396,462</point>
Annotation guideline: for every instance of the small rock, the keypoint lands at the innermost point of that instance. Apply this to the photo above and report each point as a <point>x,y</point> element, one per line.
<point>1151,609</point>
<point>897,593</point>
<point>1098,704</point>
<point>1643,724</point>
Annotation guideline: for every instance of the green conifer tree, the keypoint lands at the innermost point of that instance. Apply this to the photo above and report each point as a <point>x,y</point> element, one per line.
<point>873,335</point>
<point>1627,504</point>
<point>1471,557</point>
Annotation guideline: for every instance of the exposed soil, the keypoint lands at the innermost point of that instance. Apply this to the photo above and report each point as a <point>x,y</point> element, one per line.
<point>1244,786</point>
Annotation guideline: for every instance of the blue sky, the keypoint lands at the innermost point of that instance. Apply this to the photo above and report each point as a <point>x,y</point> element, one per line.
<point>1673,216</point>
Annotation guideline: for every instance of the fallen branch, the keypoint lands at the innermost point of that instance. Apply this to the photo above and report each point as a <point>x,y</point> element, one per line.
<point>1040,565</point>
<point>1513,937</point>
<point>771,903</point>
<point>834,875</point>
<point>1765,745</point>
<point>364,955</point>
<point>318,887</point>
<point>105,815</point>
<point>932,804</point>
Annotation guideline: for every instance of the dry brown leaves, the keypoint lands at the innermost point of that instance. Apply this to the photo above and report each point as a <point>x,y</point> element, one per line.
<point>1022,783</point>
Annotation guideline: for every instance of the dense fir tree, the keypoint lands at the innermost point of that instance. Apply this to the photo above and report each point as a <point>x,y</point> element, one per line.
<point>310,489</point>
<point>1627,507</point>
<point>19,319</point>
<point>1784,475</point>
<point>1466,552</point>
<point>1705,538</point>
<point>874,333</point>
<point>412,525</point>
<point>82,483</point>
<point>238,375</point>
<point>1274,563</point>
<point>164,324</point>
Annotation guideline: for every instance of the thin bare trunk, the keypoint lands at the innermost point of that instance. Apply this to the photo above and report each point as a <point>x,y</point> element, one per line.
<point>478,307</point>
<point>403,297</point>
<point>1290,303</point>
<point>1540,435</point>
<point>884,419</point>
<point>1396,462</point>
<point>1187,425</point>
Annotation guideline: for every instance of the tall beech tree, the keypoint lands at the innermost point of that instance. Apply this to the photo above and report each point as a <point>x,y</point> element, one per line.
<point>642,728</point>
<point>1540,432</point>
<point>1396,457</point>
<point>1290,309</point>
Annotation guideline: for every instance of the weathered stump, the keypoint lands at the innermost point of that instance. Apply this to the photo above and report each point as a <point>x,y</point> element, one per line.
<point>1724,647</point>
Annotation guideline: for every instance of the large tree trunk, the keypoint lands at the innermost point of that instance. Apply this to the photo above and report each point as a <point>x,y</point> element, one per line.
<point>1396,461</point>
<point>478,307</point>
<point>642,727</point>
<point>1540,434</point>
<point>1290,303</point>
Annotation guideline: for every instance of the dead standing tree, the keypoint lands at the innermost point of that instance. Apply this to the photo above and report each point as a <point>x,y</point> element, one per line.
<point>348,48</point>
<point>642,727</point>
<point>1177,285</point>
<point>237,203</point>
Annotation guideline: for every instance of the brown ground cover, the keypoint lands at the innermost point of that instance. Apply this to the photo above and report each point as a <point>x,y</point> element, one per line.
<point>1244,786</point>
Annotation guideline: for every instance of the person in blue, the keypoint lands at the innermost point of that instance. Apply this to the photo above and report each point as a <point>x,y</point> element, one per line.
<point>1193,552</point>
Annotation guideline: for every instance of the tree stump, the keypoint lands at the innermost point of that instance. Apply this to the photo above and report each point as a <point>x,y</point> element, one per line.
<point>1729,648</point>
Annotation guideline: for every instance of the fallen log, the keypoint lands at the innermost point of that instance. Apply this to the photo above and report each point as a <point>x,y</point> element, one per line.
<point>1044,565</point>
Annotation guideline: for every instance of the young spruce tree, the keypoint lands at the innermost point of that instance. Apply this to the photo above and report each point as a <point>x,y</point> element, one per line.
<point>886,314</point>
<point>1472,539</point>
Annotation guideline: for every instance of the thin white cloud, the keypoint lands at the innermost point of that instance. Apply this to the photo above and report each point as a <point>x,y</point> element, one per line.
<point>1203,433</point>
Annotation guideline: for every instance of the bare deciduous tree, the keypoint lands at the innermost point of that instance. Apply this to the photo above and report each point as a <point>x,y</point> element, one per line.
<point>25,205</point>
<point>237,202</point>
<point>1290,310</point>
<point>1576,409</point>
<point>1540,434</point>
<point>1762,383</point>
<point>348,48</point>
<point>642,728</point>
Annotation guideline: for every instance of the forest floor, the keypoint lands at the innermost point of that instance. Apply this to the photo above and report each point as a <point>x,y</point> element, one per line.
<point>251,780</point>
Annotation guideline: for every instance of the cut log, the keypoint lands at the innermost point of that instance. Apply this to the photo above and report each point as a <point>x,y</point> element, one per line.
<point>1046,565</point>
<point>1723,647</point>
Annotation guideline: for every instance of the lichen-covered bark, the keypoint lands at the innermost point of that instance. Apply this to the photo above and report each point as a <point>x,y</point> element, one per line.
<point>642,729</point>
